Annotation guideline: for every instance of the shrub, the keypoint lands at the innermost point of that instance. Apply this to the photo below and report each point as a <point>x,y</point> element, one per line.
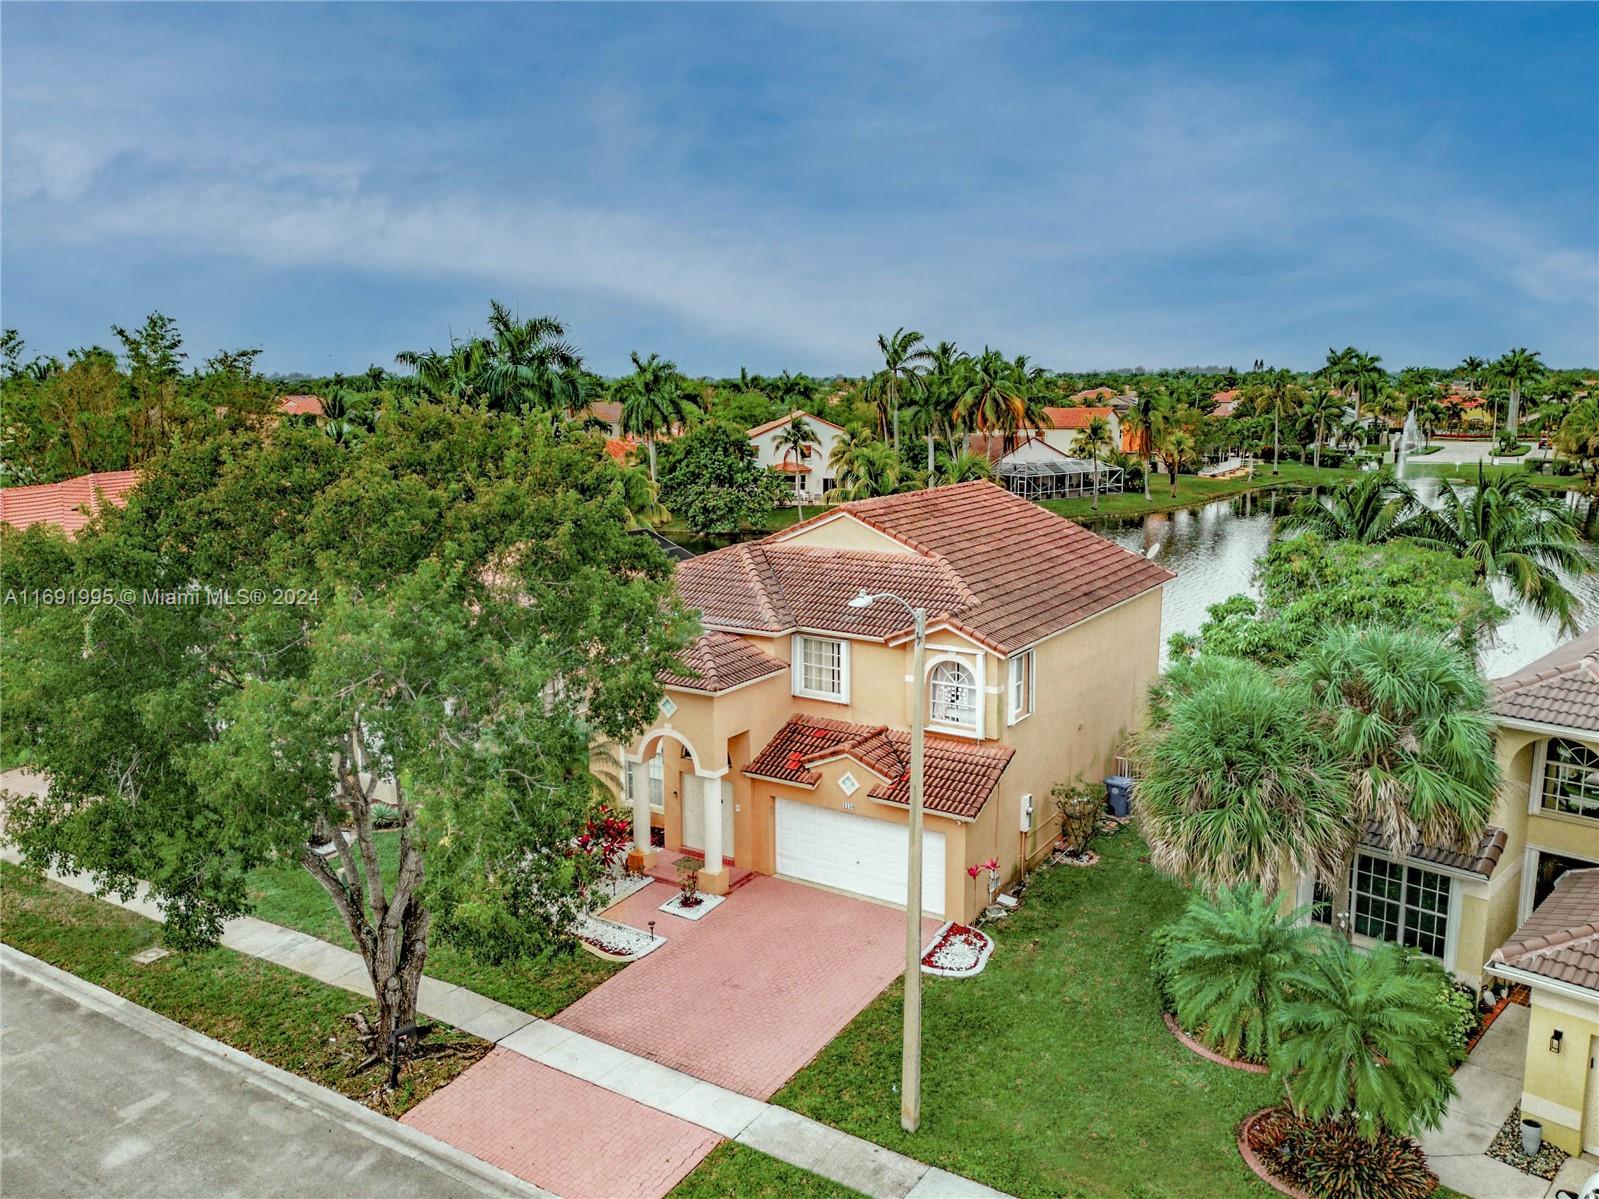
<point>1331,1160</point>
<point>1079,805</point>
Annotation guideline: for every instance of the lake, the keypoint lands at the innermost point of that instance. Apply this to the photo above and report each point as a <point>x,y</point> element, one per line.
<point>1213,549</point>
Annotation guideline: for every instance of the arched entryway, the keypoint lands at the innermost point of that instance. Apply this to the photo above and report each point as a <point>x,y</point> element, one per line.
<point>669,784</point>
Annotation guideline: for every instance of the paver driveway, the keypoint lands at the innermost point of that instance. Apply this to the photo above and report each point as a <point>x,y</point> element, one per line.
<point>747,995</point>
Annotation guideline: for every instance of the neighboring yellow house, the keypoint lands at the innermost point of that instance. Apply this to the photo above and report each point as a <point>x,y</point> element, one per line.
<point>1459,906</point>
<point>1555,954</point>
<point>783,747</point>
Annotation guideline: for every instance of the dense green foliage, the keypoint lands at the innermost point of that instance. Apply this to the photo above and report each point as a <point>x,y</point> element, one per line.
<point>712,482</point>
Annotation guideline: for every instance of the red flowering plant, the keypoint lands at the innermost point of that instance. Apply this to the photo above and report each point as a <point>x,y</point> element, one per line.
<point>992,866</point>
<point>606,838</point>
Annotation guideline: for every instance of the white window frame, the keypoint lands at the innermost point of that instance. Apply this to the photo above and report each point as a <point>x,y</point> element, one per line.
<point>1021,676</point>
<point>797,672</point>
<point>655,772</point>
<point>1450,913</point>
<point>1542,766</point>
<point>975,673</point>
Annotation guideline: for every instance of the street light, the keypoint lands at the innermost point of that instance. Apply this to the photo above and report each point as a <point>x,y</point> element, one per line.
<point>910,1088</point>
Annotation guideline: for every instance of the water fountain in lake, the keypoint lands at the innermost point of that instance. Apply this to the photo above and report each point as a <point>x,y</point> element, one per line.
<point>1409,441</point>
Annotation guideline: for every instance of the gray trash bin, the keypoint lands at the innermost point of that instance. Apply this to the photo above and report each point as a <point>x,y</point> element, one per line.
<point>1119,794</point>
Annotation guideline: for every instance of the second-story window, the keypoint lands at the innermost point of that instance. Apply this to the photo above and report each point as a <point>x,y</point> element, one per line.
<point>1571,779</point>
<point>821,668</point>
<point>953,695</point>
<point>1021,686</point>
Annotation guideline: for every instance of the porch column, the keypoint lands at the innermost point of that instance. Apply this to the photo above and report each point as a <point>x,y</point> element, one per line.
<point>642,856</point>
<point>713,879</point>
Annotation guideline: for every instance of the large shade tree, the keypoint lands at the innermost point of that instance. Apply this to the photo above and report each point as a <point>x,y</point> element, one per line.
<point>455,606</point>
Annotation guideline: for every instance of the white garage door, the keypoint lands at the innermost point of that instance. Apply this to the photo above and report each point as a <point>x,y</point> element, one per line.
<point>855,853</point>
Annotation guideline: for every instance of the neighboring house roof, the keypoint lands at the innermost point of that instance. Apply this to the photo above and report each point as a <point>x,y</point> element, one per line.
<point>609,411</point>
<point>620,447</point>
<point>1224,402</point>
<point>1456,400</point>
<point>1076,418</point>
<point>959,775</point>
<point>719,661</point>
<point>68,503</point>
<point>790,468</point>
<point>1560,940</point>
<point>810,418</point>
<point>1482,859</point>
<point>1093,393</point>
<point>993,565</point>
<point>300,406</point>
<point>1561,688</point>
<point>995,449</point>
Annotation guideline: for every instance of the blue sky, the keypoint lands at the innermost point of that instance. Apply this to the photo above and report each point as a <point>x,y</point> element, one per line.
<point>770,187</point>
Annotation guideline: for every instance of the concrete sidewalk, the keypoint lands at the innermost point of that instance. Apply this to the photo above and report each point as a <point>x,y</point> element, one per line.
<point>776,1131</point>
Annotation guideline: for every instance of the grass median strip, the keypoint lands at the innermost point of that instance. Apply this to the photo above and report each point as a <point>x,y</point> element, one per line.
<point>287,895</point>
<point>734,1169</point>
<point>271,1013</point>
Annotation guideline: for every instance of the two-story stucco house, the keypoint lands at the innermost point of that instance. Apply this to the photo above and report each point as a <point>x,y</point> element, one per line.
<point>805,471</point>
<point>783,747</point>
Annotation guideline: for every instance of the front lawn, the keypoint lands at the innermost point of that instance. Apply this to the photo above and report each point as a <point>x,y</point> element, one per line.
<point>270,1012</point>
<point>287,895</point>
<point>1051,1074</point>
<point>734,1169</point>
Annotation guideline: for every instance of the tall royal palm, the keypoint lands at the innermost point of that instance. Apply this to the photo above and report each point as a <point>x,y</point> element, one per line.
<point>1236,786</point>
<point>1146,419</point>
<point>1471,369</point>
<point>1280,395</point>
<point>993,401</point>
<point>1511,531</point>
<point>905,357</point>
<point>796,440</point>
<point>1407,714</point>
<point>528,364</point>
<point>1515,370</point>
<point>653,401</point>
<point>932,405</point>
<point>1323,408</point>
<point>1096,440</point>
<point>1370,508</point>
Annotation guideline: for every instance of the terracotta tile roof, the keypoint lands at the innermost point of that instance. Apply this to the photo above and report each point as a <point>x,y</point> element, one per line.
<point>1075,418</point>
<point>1560,940</point>
<point>609,411</point>
<point>791,468</point>
<point>1225,397</point>
<point>1456,400</point>
<point>960,774</point>
<point>718,661</point>
<point>1094,393</point>
<point>810,417</point>
<point>64,503</point>
<point>300,406</point>
<point>1561,688</point>
<point>1482,859</point>
<point>620,447</point>
<point>1029,573</point>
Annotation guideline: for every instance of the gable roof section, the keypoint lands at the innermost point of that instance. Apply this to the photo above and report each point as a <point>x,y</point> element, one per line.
<point>960,774</point>
<point>1559,689</point>
<point>1482,859</point>
<point>65,503</point>
<point>720,661</point>
<point>300,405</point>
<point>609,411</point>
<point>1076,418</point>
<point>1560,940</point>
<point>811,417</point>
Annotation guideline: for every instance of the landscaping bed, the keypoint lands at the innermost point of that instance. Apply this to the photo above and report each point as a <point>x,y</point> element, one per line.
<point>1507,1147</point>
<point>957,952</point>
<point>287,895</point>
<point>269,1012</point>
<point>1316,1160</point>
<point>1051,1073</point>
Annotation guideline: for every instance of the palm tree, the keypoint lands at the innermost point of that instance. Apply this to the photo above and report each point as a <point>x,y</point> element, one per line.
<point>962,466</point>
<point>904,359</point>
<point>1323,408</point>
<point>347,415</point>
<point>994,401</point>
<point>529,364</point>
<point>1147,418</point>
<point>641,498</point>
<point>1511,531</point>
<point>653,402</point>
<point>1280,393</point>
<point>1225,962</point>
<point>1471,370</point>
<point>863,468</point>
<point>1368,509</point>
<point>934,401</point>
<point>1515,369</point>
<point>1177,449</point>
<point>1362,1038</point>
<point>1408,715</point>
<point>1096,440</point>
<point>1578,439</point>
<point>797,438</point>
<point>1236,784</point>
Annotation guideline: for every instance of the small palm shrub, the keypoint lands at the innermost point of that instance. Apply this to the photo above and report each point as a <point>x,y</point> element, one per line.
<point>1362,1037</point>
<point>1330,1159</point>
<point>1224,963</point>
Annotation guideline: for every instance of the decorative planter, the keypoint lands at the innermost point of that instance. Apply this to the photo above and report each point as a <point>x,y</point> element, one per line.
<point>1259,1167</point>
<point>614,942</point>
<point>957,951</point>
<point>674,906</point>
<point>1204,1051</point>
<point>1531,1137</point>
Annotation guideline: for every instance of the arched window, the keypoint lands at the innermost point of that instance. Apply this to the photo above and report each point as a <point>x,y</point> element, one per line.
<point>1570,779</point>
<point>953,695</point>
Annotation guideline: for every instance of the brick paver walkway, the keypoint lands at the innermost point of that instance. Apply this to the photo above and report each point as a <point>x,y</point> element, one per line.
<point>750,993</point>
<point>569,1136</point>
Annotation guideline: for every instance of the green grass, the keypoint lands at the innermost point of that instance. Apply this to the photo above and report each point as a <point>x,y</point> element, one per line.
<point>1191,490</point>
<point>289,896</point>
<point>734,1169</point>
<point>271,1013</point>
<point>1051,1072</point>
